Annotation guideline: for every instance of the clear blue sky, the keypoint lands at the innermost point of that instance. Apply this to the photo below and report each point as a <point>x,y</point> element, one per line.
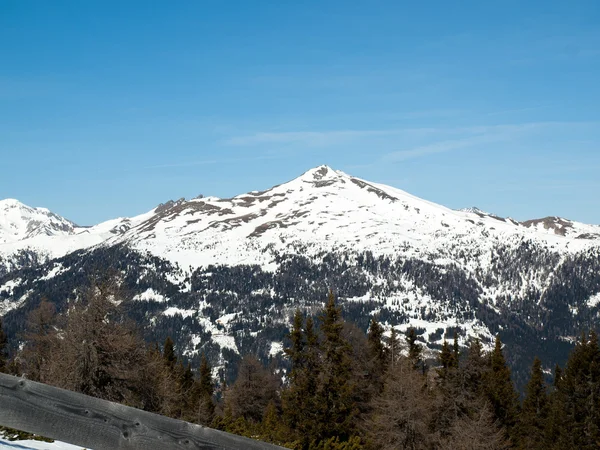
<point>109,107</point>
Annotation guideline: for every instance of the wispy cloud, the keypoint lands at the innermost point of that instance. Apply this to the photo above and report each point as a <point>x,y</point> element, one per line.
<point>476,135</point>
<point>207,162</point>
<point>518,110</point>
<point>318,138</point>
<point>439,147</point>
<point>336,137</point>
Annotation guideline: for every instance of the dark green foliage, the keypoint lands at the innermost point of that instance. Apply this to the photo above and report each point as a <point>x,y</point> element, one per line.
<point>499,389</point>
<point>378,356</point>
<point>3,349</point>
<point>393,348</point>
<point>455,352</point>
<point>169,353</point>
<point>415,350</point>
<point>575,405</point>
<point>446,356</point>
<point>336,408</point>
<point>531,428</point>
<point>532,323</point>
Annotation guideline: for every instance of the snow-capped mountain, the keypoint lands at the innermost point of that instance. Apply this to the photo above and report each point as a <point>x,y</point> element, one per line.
<point>34,235</point>
<point>223,275</point>
<point>19,221</point>
<point>327,210</point>
<point>322,210</point>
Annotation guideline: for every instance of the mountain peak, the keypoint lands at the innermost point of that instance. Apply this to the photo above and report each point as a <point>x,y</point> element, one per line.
<point>12,203</point>
<point>320,173</point>
<point>19,221</point>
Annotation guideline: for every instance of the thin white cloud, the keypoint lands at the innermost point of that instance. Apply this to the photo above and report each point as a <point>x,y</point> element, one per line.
<point>206,162</point>
<point>477,135</point>
<point>441,147</point>
<point>319,138</point>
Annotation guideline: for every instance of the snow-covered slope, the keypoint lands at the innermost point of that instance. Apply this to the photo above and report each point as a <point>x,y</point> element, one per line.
<point>36,445</point>
<point>324,210</point>
<point>224,275</point>
<point>19,221</point>
<point>36,234</point>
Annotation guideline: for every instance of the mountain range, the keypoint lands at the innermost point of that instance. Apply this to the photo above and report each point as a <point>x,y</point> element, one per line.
<point>223,276</point>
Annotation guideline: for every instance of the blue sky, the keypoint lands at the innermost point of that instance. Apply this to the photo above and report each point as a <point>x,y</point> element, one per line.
<point>108,108</point>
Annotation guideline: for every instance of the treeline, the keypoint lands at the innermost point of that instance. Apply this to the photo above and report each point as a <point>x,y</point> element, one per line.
<point>344,390</point>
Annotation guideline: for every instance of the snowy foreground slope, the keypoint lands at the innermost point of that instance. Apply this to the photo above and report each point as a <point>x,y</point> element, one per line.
<point>224,275</point>
<point>37,445</point>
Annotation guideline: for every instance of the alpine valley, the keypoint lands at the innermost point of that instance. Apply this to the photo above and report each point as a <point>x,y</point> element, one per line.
<point>224,276</point>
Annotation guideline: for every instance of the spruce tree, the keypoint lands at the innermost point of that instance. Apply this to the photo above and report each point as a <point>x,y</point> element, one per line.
<point>3,343</point>
<point>415,350</point>
<point>446,357</point>
<point>377,355</point>
<point>169,353</point>
<point>455,351</point>
<point>336,408</point>
<point>534,413</point>
<point>393,348</point>
<point>555,431</point>
<point>579,392</point>
<point>499,388</point>
<point>475,368</point>
<point>205,390</point>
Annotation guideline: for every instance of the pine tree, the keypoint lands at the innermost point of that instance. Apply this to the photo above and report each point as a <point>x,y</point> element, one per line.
<point>534,413</point>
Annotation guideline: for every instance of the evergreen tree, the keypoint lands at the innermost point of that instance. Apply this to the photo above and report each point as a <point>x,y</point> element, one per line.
<point>336,409</point>
<point>3,356</point>
<point>499,388</point>
<point>534,413</point>
<point>393,348</point>
<point>169,353</point>
<point>295,351</point>
<point>377,355</point>
<point>205,391</point>
<point>446,357</point>
<point>455,351</point>
<point>555,430</point>
<point>415,350</point>
<point>578,396</point>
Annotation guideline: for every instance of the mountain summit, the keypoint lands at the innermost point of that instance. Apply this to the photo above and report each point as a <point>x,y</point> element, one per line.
<point>19,221</point>
<point>321,210</point>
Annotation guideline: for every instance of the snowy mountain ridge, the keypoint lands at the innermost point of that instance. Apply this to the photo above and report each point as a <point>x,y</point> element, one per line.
<point>223,276</point>
<point>323,209</point>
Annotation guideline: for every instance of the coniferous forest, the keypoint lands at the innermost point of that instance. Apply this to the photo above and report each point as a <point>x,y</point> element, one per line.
<point>341,389</point>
